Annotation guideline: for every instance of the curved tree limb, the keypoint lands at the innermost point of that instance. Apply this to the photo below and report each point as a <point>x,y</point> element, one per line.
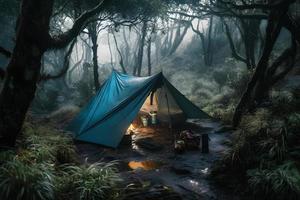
<point>65,68</point>
<point>234,52</point>
<point>60,41</point>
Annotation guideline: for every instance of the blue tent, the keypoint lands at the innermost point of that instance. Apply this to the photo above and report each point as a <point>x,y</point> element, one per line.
<point>105,119</point>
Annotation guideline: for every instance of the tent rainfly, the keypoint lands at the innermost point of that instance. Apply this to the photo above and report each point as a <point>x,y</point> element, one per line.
<point>105,119</point>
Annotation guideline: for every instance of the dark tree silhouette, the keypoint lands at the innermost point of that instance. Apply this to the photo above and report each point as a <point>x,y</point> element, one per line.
<point>23,71</point>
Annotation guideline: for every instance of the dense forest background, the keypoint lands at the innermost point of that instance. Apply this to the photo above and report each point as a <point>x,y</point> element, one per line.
<point>236,60</point>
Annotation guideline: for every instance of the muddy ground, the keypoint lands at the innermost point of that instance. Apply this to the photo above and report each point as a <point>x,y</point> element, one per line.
<point>158,168</point>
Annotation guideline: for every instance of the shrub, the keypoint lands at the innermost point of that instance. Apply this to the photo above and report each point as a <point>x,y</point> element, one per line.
<point>252,123</point>
<point>293,122</point>
<point>281,183</point>
<point>281,102</point>
<point>27,182</point>
<point>89,182</point>
<point>44,144</point>
<point>6,156</point>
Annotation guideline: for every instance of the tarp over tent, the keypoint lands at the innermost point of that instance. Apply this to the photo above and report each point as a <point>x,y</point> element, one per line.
<point>105,119</point>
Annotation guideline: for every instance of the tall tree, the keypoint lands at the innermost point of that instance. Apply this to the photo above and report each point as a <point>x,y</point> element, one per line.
<point>22,73</point>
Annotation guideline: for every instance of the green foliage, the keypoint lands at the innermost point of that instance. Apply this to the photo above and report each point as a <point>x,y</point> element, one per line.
<point>46,166</point>
<point>224,113</point>
<point>44,144</point>
<point>28,182</point>
<point>294,122</point>
<point>89,182</point>
<point>282,102</point>
<point>282,182</point>
<point>252,123</point>
<point>6,156</point>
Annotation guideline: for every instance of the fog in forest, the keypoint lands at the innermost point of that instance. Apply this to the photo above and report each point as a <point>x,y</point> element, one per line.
<point>230,67</point>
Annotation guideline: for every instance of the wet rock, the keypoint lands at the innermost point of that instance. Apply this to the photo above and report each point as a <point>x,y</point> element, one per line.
<point>156,192</point>
<point>181,169</point>
<point>148,144</point>
<point>225,128</point>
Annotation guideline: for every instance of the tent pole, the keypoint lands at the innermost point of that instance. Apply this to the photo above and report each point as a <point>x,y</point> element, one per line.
<point>170,119</point>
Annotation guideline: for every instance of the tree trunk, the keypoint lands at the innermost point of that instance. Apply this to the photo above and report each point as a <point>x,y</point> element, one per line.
<point>208,50</point>
<point>24,67</point>
<point>92,28</point>
<point>250,30</point>
<point>149,56</point>
<point>178,38</point>
<point>120,54</point>
<point>275,23</point>
<point>23,70</point>
<point>141,49</point>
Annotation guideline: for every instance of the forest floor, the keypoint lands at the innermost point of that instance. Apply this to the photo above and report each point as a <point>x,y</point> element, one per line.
<point>159,168</point>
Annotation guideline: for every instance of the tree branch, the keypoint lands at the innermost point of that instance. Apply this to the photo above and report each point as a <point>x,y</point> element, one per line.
<point>288,57</point>
<point>60,41</point>
<point>248,6</point>
<point>231,43</point>
<point>65,68</point>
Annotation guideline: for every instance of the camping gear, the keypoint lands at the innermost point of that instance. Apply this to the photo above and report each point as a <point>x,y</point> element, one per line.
<point>148,144</point>
<point>205,144</point>
<point>192,141</point>
<point>153,115</point>
<point>179,146</point>
<point>105,119</point>
<point>144,121</point>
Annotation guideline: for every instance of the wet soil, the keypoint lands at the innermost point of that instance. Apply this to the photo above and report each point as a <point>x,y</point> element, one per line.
<point>187,174</point>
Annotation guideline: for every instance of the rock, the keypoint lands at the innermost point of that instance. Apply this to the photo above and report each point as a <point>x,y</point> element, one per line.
<point>225,128</point>
<point>148,144</point>
<point>156,192</point>
<point>181,169</point>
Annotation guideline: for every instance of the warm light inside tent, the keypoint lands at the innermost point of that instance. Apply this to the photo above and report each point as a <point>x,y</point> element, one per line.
<point>130,129</point>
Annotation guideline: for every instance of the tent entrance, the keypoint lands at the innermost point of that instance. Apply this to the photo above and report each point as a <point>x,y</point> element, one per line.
<point>163,103</point>
<point>107,116</point>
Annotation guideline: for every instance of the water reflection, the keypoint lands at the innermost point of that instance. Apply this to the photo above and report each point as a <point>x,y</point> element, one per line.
<point>145,165</point>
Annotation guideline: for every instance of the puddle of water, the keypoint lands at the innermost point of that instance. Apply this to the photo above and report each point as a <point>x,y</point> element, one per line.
<point>145,165</point>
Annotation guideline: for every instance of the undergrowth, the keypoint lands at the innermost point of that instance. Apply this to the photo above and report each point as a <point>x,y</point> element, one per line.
<point>45,166</point>
<point>264,155</point>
